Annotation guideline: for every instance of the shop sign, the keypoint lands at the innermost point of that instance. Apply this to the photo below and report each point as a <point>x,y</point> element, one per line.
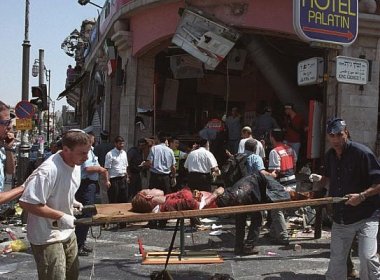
<point>310,71</point>
<point>351,70</point>
<point>330,21</point>
<point>203,38</point>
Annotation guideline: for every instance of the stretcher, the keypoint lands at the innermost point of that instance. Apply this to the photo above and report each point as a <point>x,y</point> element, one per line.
<point>122,212</point>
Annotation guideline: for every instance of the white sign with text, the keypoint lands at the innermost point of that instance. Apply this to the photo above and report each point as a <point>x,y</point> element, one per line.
<point>310,71</point>
<point>352,70</point>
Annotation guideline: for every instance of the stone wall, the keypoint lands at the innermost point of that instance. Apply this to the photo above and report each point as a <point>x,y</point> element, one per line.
<point>359,105</point>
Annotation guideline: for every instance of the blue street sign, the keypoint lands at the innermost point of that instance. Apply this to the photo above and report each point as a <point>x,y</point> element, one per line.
<point>24,110</point>
<point>330,21</point>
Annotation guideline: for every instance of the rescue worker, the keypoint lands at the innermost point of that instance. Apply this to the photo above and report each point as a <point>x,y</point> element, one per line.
<point>282,164</point>
<point>282,160</point>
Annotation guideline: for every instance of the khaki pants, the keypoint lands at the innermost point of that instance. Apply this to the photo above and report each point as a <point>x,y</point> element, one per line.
<point>57,261</point>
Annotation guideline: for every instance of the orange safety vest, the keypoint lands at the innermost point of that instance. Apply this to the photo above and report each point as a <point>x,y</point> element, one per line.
<point>287,165</point>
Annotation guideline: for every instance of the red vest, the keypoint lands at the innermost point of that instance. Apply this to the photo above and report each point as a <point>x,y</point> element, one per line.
<point>287,165</point>
<point>216,124</point>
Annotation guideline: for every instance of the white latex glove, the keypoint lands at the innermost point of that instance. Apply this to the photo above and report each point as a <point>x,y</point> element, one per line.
<point>66,222</point>
<point>78,205</point>
<point>315,177</point>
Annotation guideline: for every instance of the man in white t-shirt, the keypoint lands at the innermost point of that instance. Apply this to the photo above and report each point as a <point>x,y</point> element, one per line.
<point>49,198</point>
<point>246,133</point>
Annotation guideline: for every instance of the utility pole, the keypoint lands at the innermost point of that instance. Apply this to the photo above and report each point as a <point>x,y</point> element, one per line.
<point>53,106</point>
<point>48,100</point>
<point>41,59</point>
<point>23,157</point>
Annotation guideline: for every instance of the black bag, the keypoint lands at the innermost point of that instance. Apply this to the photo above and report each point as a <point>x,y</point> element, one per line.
<point>234,169</point>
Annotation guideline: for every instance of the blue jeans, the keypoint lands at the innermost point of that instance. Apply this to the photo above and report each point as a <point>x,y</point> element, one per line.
<point>86,196</point>
<point>341,240</point>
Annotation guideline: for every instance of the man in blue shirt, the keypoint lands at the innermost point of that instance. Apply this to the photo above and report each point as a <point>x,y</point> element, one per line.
<point>161,162</point>
<point>254,163</point>
<point>353,171</point>
<point>162,165</point>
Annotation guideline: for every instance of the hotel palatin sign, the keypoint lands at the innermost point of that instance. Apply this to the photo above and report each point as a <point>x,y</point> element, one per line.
<point>329,21</point>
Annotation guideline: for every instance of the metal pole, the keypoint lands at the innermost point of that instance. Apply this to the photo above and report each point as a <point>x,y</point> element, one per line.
<point>48,123</point>
<point>23,157</point>
<point>53,105</point>
<point>40,82</point>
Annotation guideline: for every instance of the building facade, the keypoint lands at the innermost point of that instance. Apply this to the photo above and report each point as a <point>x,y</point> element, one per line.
<point>136,79</point>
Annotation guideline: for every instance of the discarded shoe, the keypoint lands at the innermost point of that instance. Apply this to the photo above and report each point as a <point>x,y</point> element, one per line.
<point>207,220</point>
<point>217,232</point>
<point>214,226</point>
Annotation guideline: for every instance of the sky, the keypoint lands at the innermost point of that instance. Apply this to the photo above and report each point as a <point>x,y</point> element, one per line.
<point>50,22</point>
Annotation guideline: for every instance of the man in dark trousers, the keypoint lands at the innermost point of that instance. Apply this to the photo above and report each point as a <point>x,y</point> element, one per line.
<point>100,151</point>
<point>161,161</point>
<point>135,165</point>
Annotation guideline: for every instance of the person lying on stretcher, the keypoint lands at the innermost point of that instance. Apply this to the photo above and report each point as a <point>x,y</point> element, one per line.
<point>252,189</point>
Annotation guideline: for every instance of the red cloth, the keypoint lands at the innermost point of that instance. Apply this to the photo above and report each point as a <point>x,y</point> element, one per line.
<point>181,200</point>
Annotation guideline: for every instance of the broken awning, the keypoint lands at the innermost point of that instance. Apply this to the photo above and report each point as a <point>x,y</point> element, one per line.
<point>72,91</point>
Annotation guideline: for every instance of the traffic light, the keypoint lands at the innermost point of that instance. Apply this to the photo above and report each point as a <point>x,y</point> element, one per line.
<point>40,100</point>
<point>37,92</point>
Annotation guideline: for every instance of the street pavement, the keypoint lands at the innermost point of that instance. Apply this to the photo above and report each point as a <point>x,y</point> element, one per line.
<point>116,254</point>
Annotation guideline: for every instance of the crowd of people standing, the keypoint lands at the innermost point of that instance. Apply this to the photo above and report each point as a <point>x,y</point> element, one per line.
<point>70,178</point>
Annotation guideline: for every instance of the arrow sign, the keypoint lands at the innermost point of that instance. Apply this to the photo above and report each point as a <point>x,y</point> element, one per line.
<point>24,110</point>
<point>348,35</point>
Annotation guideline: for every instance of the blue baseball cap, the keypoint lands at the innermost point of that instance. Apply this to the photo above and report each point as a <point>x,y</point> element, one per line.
<point>335,125</point>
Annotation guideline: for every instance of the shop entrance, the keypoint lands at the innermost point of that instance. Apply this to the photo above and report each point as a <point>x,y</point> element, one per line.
<point>258,75</point>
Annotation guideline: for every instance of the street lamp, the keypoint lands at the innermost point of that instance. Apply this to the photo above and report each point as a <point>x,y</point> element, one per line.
<point>85,2</point>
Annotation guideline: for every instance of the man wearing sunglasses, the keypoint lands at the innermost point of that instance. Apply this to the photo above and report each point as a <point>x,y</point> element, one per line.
<point>352,171</point>
<point>7,160</point>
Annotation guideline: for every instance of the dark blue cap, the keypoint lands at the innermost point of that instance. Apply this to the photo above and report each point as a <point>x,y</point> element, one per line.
<point>335,125</point>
